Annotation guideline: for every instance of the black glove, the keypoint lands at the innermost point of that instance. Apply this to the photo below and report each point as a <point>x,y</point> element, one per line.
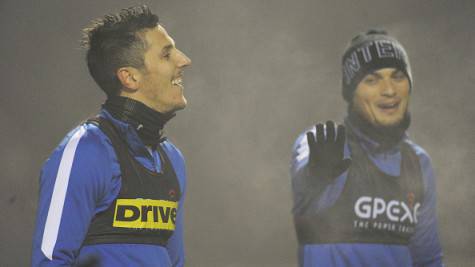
<point>326,161</point>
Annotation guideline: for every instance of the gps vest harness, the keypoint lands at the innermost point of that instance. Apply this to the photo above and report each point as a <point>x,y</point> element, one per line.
<point>145,210</point>
<point>373,207</point>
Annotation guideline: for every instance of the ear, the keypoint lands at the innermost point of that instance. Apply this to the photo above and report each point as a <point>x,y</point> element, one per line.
<point>129,78</point>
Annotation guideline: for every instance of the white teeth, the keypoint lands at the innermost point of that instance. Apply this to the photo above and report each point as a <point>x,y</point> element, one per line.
<point>178,81</point>
<point>388,105</point>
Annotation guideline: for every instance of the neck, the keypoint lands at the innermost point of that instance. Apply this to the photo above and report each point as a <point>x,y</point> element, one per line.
<point>147,122</point>
<point>387,136</point>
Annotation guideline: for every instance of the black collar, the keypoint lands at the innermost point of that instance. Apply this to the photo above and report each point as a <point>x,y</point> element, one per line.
<point>146,121</point>
<point>386,137</point>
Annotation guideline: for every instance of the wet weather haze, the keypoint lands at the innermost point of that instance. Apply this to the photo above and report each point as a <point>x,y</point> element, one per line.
<point>262,72</point>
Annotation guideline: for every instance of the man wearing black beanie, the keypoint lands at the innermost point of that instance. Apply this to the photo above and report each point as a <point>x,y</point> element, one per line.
<point>364,193</point>
<point>112,192</point>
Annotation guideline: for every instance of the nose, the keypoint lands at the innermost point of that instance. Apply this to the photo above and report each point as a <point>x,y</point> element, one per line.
<point>184,60</point>
<point>388,88</point>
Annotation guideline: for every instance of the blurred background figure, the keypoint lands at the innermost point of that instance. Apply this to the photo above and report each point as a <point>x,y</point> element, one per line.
<point>364,193</point>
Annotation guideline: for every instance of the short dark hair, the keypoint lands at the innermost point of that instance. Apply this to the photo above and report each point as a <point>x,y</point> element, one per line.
<point>116,41</point>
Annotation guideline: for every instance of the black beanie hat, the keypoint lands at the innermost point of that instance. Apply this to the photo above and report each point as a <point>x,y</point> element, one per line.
<point>368,52</point>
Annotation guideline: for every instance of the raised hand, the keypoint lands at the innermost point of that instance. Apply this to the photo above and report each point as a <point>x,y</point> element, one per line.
<point>326,160</point>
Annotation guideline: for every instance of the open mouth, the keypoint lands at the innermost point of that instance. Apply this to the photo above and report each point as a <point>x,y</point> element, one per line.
<point>178,82</point>
<point>389,107</point>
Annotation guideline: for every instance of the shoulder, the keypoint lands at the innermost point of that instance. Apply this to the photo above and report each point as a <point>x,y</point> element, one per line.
<point>173,151</point>
<point>421,153</point>
<point>177,161</point>
<point>87,138</point>
<point>83,149</point>
<point>425,162</point>
<point>175,155</point>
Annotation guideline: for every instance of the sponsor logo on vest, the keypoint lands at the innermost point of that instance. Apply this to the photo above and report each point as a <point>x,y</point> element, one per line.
<point>393,215</point>
<point>172,193</point>
<point>145,214</point>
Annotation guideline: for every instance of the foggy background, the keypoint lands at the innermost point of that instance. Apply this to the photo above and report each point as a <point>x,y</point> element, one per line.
<point>262,72</point>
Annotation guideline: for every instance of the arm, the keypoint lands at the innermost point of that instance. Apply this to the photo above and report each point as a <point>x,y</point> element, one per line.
<point>71,189</point>
<point>304,196</point>
<point>424,245</point>
<point>318,168</point>
<point>175,245</point>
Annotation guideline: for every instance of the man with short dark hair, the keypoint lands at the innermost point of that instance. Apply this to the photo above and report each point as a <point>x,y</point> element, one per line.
<point>111,194</point>
<point>364,194</point>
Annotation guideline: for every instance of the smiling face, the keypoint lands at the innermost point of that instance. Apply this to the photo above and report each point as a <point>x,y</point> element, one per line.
<point>160,81</point>
<point>382,97</point>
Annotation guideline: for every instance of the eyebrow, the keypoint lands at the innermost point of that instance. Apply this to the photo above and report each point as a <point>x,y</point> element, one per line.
<point>374,73</point>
